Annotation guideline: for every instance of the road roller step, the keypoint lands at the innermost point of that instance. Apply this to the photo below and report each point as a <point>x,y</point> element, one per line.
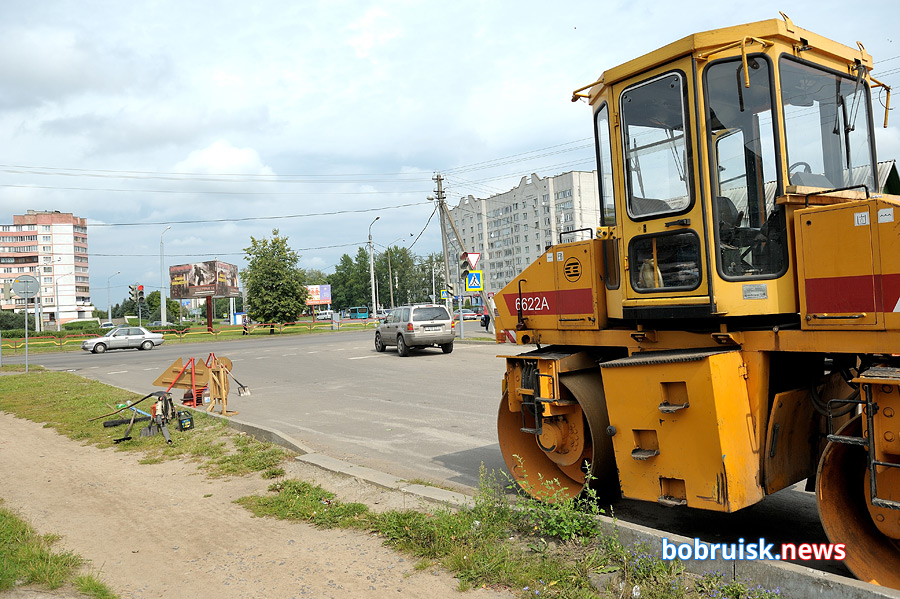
<point>880,386</point>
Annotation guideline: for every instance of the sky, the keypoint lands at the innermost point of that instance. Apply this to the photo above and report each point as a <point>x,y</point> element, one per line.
<point>225,120</point>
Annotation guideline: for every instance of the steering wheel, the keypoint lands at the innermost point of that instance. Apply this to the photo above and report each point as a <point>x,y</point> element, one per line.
<point>805,165</point>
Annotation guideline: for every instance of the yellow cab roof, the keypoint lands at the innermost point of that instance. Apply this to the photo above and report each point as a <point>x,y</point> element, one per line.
<point>705,44</point>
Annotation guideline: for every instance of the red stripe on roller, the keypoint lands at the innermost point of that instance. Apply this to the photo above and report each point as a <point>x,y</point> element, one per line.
<point>564,301</point>
<point>842,295</point>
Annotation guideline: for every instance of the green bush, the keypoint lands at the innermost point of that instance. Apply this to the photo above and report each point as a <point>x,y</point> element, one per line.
<point>81,325</point>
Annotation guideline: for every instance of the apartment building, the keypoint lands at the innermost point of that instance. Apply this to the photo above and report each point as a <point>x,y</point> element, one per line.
<point>52,247</point>
<point>511,229</point>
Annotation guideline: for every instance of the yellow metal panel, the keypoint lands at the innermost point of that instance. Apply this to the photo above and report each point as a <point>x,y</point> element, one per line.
<point>836,261</point>
<point>711,445</point>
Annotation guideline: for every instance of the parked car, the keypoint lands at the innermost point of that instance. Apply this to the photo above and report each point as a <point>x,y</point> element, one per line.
<point>107,325</point>
<point>416,327</point>
<point>123,337</point>
<point>467,314</point>
<point>325,315</point>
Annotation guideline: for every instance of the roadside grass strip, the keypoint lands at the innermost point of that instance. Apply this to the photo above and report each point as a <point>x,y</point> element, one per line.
<point>513,542</point>
<point>27,558</point>
<point>506,539</point>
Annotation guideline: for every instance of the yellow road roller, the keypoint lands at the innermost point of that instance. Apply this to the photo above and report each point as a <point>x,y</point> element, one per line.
<point>732,325</point>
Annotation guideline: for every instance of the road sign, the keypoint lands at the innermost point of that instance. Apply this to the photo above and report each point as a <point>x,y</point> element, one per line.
<point>25,286</point>
<point>473,257</point>
<point>474,281</point>
<point>444,294</point>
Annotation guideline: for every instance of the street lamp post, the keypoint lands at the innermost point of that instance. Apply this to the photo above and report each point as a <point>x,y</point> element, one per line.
<point>108,302</point>
<point>372,265</point>
<point>390,275</point>
<point>163,317</point>
<point>56,297</point>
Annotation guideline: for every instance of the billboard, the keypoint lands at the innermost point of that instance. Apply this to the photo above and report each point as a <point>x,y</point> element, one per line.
<point>319,295</point>
<point>203,279</point>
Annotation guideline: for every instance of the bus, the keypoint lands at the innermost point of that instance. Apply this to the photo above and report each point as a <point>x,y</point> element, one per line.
<point>357,313</point>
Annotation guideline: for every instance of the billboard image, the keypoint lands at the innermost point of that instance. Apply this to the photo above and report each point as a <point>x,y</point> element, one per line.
<point>319,295</point>
<point>203,279</point>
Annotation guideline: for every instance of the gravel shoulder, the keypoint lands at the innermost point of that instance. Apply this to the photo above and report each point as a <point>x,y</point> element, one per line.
<point>166,530</point>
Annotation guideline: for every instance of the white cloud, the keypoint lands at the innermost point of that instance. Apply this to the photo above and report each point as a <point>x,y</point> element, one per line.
<point>372,30</point>
<point>222,157</point>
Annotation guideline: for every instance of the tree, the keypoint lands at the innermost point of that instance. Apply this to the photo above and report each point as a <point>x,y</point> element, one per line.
<point>151,310</point>
<point>276,286</point>
<point>15,320</point>
<point>350,281</point>
<point>223,305</point>
<point>315,276</point>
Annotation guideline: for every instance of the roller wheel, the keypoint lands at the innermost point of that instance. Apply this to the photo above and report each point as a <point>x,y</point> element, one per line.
<point>870,534</point>
<point>566,445</point>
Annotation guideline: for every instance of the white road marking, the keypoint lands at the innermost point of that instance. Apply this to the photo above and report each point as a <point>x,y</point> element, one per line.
<point>288,354</point>
<point>313,352</point>
<point>360,357</point>
<point>151,369</point>
<point>117,372</point>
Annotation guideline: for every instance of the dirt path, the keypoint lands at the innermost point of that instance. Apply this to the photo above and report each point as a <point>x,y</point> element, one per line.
<point>164,530</point>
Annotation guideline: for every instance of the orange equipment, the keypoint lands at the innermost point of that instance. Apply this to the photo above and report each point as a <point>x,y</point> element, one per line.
<point>731,327</point>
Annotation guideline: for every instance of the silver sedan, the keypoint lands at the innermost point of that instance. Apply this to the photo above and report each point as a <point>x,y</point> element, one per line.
<point>123,337</point>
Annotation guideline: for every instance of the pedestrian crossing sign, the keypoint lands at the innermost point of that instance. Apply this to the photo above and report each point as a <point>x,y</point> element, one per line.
<point>474,281</point>
<point>444,294</point>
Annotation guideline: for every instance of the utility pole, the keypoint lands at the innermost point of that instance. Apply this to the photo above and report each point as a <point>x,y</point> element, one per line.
<point>462,248</point>
<point>390,277</point>
<point>372,267</point>
<point>440,200</point>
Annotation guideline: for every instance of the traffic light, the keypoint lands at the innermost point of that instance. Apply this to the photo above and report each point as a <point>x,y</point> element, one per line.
<point>133,293</point>
<point>464,265</point>
<point>140,294</point>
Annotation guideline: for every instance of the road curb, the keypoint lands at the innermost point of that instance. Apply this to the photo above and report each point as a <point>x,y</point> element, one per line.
<point>791,579</point>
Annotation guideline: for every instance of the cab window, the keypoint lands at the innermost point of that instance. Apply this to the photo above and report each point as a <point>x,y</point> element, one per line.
<point>666,262</point>
<point>827,127</point>
<point>750,227</point>
<point>657,163</point>
<point>605,168</point>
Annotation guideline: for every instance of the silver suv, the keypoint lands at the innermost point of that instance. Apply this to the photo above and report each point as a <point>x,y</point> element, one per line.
<point>415,327</point>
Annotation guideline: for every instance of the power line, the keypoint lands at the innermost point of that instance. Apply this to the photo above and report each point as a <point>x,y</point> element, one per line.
<point>249,218</point>
<point>201,192</point>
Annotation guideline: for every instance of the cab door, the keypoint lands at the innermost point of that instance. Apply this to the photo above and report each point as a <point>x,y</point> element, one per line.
<point>662,223</point>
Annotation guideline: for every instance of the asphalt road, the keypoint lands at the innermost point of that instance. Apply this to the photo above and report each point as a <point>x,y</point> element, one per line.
<point>430,416</point>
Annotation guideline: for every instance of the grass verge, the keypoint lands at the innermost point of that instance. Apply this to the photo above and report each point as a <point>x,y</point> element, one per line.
<point>66,402</point>
<point>553,549</point>
<point>27,558</point>
<point>534,549</point>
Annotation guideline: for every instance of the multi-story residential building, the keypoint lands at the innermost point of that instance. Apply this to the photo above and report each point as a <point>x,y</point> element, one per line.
<point>511,229</point>
<point>52,247</point>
